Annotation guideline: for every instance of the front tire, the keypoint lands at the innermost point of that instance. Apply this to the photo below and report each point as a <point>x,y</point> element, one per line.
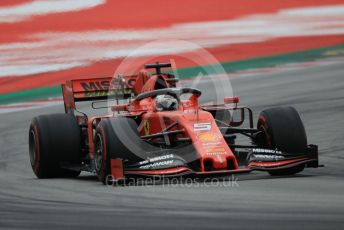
<point>284,130</point>
<point>110,144</point>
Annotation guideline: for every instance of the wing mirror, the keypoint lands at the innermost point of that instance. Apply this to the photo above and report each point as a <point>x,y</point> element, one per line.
<point>231,100</point>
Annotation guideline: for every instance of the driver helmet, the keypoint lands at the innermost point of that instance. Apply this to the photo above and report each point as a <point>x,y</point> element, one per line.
<point>166,103</point>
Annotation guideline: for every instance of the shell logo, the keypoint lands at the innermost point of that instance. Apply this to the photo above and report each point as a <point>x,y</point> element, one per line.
<point>208,137</point>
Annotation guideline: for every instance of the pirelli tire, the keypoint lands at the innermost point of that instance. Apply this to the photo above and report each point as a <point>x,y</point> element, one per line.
<point>111,144</point>
<point>284,130</point>
<point>54,139</point>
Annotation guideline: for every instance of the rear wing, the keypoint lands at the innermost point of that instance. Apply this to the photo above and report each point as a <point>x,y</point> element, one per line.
<point>97,89</point>
<point>121,87</point>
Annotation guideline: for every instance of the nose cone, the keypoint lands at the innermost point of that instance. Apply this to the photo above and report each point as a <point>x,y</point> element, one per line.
<point>218,158</point>
<point>213,151</point>
<point>211,148</point>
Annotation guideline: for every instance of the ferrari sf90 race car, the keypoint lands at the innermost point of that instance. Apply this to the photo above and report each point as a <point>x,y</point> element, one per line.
<point>154,128</point>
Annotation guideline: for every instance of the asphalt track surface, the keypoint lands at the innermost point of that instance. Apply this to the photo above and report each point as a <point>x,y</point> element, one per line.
<point>312,200</point>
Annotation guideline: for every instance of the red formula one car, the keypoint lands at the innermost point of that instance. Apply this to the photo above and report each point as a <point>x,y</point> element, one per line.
<point>163,130</point>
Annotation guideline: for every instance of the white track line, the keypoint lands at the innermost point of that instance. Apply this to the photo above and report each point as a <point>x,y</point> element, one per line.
<point>25,11</point>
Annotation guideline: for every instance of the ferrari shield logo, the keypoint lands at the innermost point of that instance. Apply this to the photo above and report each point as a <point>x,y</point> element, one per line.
<point>146,127</point>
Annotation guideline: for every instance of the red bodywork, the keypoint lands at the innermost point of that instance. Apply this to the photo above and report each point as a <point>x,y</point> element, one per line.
<point>195,123</point>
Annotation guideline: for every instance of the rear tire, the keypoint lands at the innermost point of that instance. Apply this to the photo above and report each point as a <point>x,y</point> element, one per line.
<point>54,139</point>
<point>283,130</point>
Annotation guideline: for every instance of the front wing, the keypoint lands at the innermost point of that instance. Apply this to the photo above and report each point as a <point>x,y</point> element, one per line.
<point>257,159</point>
